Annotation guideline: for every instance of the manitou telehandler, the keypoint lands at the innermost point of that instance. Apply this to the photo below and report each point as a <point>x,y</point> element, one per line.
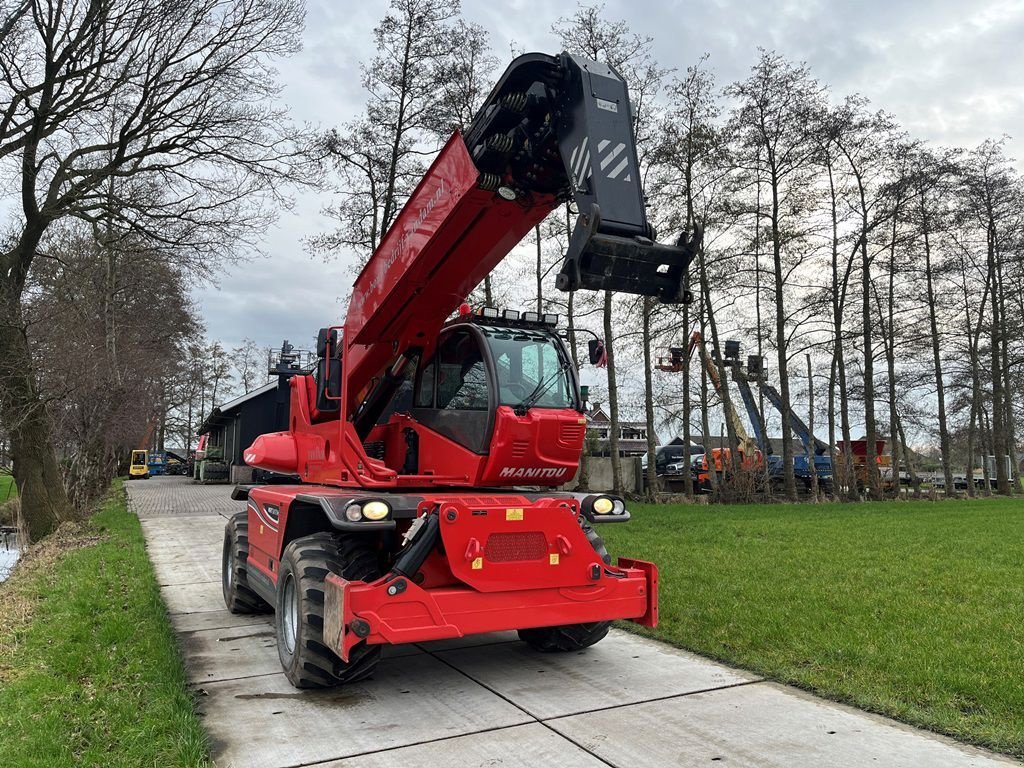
<point>416,434</point>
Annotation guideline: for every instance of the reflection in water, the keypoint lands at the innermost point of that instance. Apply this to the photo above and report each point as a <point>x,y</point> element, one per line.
<point>8,551</point>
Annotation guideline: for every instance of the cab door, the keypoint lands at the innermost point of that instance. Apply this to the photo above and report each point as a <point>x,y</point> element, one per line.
<point>454,393</point>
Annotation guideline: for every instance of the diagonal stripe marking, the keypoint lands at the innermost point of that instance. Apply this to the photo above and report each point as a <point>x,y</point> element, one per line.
<point>583,147</point>
<point>585,165</point>
<point>618,168</point>
<point>612,155</point>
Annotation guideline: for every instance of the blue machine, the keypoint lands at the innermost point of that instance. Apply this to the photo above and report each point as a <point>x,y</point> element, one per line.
<point>816,449</point>
<point>157,463</point>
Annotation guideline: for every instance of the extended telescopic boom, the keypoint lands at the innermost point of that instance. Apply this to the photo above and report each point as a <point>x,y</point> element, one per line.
<point>555,128</point>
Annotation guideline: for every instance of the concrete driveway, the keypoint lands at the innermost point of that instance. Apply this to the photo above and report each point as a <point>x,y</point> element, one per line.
<point>489,700</point>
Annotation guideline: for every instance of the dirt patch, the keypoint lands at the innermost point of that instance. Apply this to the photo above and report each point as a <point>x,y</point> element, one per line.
<point>19,594</point>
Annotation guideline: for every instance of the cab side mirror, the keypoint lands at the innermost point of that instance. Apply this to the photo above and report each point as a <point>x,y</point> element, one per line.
<point>598,354</point>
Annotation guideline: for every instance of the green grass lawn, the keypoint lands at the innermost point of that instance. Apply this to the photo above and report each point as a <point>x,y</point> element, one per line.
<point>93,678</point>
<point>911,609</point>
<point>7,489</point>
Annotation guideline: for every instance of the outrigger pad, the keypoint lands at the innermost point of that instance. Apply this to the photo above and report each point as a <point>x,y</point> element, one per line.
<point>600,261</point>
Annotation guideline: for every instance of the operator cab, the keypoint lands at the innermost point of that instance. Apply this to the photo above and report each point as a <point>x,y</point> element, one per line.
<point>482,364</point>
<point>495,398</point>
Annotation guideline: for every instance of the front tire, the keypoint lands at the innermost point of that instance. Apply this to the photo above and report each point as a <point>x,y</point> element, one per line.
<point>571,637</point>
<point>307,661</point>
<point>234,578</point>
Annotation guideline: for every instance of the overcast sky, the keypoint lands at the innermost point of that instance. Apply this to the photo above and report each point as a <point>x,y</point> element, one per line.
<point>950,71</point>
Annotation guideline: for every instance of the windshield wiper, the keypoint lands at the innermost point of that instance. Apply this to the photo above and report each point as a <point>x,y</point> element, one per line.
<point>538,391</point>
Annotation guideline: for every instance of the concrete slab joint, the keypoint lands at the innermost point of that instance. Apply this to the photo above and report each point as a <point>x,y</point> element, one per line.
<point>489,700</point>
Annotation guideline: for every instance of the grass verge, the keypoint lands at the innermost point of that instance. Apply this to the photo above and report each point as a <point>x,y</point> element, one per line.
<point>7,489</point>
<point>909,609</point>
<point>90,674</point>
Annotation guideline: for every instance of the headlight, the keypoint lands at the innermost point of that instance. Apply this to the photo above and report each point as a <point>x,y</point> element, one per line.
<point>375,510</point>
<point>603,505</point>
<point>618,507</point>
<point>370,510</point>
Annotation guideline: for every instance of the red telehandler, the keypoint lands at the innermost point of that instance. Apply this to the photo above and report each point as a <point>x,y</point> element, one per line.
<point>416,434</point>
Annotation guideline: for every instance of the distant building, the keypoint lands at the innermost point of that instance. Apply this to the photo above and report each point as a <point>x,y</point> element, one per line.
<point>632,434</point>
<point>232,427</point>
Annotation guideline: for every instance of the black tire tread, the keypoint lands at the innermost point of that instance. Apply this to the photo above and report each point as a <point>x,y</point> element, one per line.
<point>571,637</point>
<point>568,637</point>
<point>315,665</point>
<point>240,598</point>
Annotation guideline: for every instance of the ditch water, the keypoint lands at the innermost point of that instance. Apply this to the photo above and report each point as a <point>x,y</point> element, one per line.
<point>9,551</point>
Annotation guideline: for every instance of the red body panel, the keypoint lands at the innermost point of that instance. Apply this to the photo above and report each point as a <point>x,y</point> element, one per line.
<point>540,448</point>
<point>418,615</point>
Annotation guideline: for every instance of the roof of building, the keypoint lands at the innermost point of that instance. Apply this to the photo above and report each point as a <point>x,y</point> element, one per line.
<point>223,412</point>
<point>597,415</point>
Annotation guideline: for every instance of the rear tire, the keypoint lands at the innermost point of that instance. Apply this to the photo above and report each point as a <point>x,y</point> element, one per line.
<point>571,637</point>
<point>238,595</point>
<point>307,661</point>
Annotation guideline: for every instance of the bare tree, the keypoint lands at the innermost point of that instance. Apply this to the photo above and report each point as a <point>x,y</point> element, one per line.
<point>931,182</point>
<point>691,158</point>
<point>993,202</point>
<point>174,101</point>
<point>101,408</point>
<point>249,365</point>
<point>380,155</point>
<point>772,124</point>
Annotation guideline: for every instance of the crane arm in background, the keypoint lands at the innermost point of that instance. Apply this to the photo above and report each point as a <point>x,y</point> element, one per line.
<point>798,425</point>
<point>753,413</point>
<point>747,445</point>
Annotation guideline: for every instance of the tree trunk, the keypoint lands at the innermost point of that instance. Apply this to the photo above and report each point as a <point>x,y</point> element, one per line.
<point>44,500</point>
<point>976,434</point>
<point>652,438</point>
<point>1000,401</point>
<point>705,422</point>
<point>915,481</point>
<point>687,405</point>
<point>889,331</point>
<point>832,381</point>
<point>933,321</point>
<point>870,427</point>
<point>811,466</point>
<point>972,427</point>
<point>540,271</point>
<point>613,397</point>
<point>789,479</point>
<point>839,289</point>
<point>732,466</point>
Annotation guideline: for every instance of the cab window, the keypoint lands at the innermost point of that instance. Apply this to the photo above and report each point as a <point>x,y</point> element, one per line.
<point>425,392</point>
<point>530,367</point>
<point>461,374</point>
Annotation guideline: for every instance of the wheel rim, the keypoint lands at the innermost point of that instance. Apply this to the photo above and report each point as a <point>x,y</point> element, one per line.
<point>290,615</point>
